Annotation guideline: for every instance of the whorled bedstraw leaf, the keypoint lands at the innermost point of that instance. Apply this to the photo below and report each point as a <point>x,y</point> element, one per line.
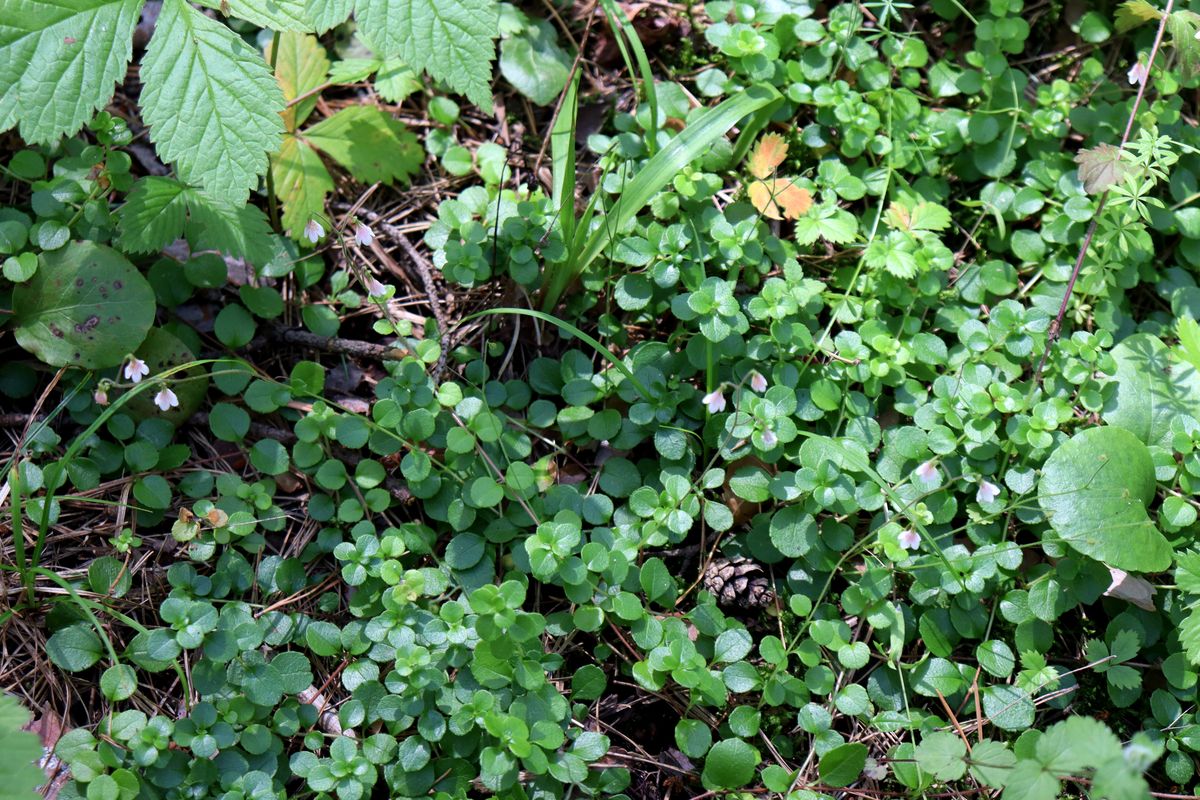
<point>1101,167</point>
<point>210,101</point>
<point>301,183</point>
<point>300,68</point>
<point>1094,490</point>
<point>369,142</point>
<point>452,40</point>
<point>60,61</point>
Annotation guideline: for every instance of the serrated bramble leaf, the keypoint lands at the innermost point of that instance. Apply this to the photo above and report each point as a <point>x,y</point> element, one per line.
<point>353,70</point>
<point>326,14</point>
<point>396,81</point>
<point>1124,677</point>
<point>834,225</point>
<point>279,15</point>
<point>302,182</point>
<point>1101,167</point>
<point>1187,571</point>
<point>1075,744</point>
<point>1095,650</point>
<point>767,155</point>
<point>452,40</point>
<point>153,214</point>
<point>779,198</point>
<point>1125,646</point>
<point>1188,331</point>
<point>920,217</point>
<point>1182,25</point>
<point>60,62</point>
<point>211,103</point>
<point>241,231</point>
<point>300,68</point>
<point>1133,13</point>
<point>369,142</point>
<point>1189,635</point>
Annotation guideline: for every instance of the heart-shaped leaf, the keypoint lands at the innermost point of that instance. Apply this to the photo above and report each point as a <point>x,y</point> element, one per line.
<point>1094,489</point>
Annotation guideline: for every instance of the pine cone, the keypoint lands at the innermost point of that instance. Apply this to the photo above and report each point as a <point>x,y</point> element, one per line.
<point>738,582</point>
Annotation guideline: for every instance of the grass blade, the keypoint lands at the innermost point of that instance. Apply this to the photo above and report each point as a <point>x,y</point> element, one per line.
<point>709,126</point>
<point>621,25</point>
<point>562,152</point>
<point>567,327</point>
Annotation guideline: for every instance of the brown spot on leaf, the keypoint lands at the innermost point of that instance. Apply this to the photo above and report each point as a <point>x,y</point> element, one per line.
<point>88,324</point>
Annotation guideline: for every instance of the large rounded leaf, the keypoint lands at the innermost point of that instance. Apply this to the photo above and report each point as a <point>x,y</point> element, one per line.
<point>1152,389</point>
<point>1094,489</point>
<point>86,306</point>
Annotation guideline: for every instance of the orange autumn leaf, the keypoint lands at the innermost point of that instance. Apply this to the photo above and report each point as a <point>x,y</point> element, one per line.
<point>779,198</point>
<point>768,154</point>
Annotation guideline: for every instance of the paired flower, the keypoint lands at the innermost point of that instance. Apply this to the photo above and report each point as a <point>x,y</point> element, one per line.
<point>987,491</point>
<point>100,397</point>
<point>714,400</point>
<point>165,399</point>
<point>363,235</point>
<point>927,472</point>
<point>909,539</point>
<point>375,288</point>
<point>135,368</point>
<point>757,382</point>
<point>313,231</point>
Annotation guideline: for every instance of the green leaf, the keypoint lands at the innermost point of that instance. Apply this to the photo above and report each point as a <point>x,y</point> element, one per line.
<point>210,101</point>
<point>60,62</point>
<point>1134,13</point>
<point>118,682</point>
<point>395,81</point>
<point>19,773</point>
<point>279,15</point>
<point>991,763</point>
<point>452,40</point>
<point>730,764</point>
<point>1028,781</point>
<point>153,214</point>
<point>301,182</point>
<point>242,231</point>
<point>86,306</point>
<point>300,68</point>
<point>534,63</point>
<point>1152,389</point>
<point>369,142</point>
<point>842,765</point>
<point>793,532</point>
<point>942,753</point>
<point>1008,707</point>
<point>1077,743</point>
<point>74,648</point>
<point>694,141</point>
<point>1094,490</point>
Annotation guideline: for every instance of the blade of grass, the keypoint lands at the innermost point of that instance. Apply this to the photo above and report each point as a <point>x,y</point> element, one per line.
<point>623,30</point>
<point>562,152</point>
<point>757,102</point>
<point>600,349</point>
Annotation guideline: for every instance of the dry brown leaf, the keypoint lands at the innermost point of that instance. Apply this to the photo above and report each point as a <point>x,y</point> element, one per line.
<point>1135,589</point>
<point>779,198</point>
<point>768,154</point>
